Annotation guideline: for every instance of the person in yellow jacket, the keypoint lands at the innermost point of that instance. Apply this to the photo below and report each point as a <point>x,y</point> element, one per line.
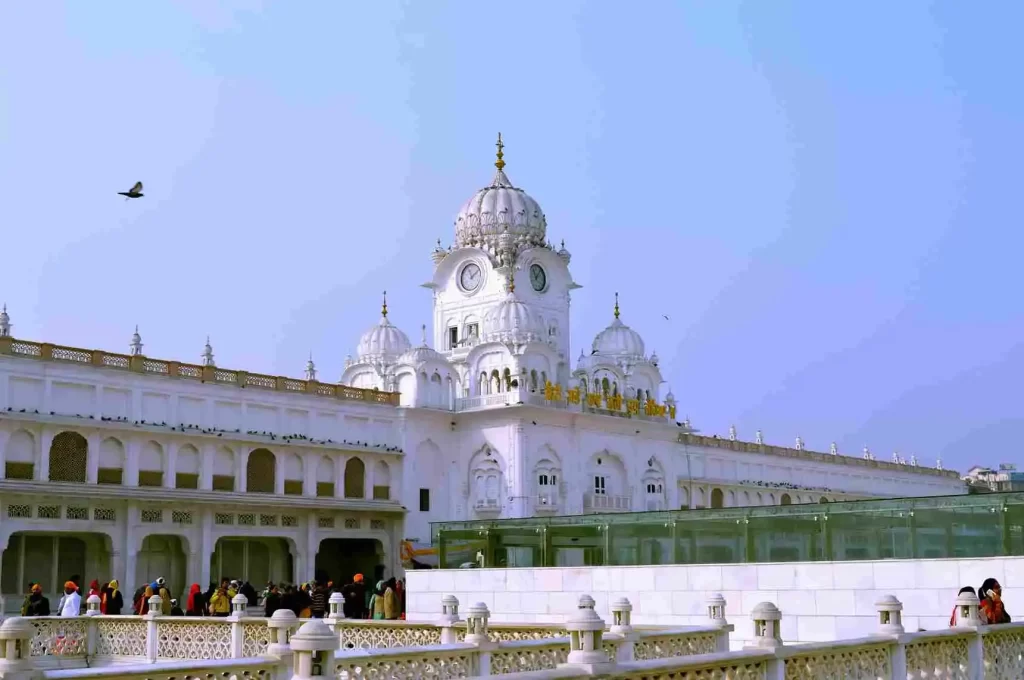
<point>220,602</point>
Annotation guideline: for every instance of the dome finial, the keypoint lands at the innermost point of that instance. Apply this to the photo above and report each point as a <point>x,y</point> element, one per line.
<point>616,305</point>
<point>510,283</point>
<point>384,307</point>
<point>500,163</point>
<point>423,334</point>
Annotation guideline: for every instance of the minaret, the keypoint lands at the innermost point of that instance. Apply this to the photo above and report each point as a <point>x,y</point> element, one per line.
<point>135,348</point>
<point>310,369</point>
<point>208,354</point>
<point>5,323</point>
<point>732,433</point>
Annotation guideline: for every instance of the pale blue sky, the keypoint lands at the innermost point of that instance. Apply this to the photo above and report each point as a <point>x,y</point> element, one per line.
<point>820,195</point>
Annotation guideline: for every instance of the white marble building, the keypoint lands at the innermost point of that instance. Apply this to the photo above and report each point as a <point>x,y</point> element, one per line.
<point>126,466</point>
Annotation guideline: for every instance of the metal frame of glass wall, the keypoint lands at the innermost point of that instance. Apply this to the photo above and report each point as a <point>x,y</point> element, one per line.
<point>962,526</point>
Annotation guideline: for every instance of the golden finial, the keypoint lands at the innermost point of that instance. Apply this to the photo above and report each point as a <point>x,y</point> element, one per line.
<point>501,146</point>
<point>616,305</point>
<point>511,284</point>
<point>384,308</point>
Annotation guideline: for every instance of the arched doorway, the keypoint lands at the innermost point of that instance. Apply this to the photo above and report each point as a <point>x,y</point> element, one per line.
<point>51,559</point>
<point>260,472</point>
<point>342,558</point>
<point>68,455</point>
<point>256,560</point>
<point>163,556</point>
<point>786,500</point>
<point>717,498</point>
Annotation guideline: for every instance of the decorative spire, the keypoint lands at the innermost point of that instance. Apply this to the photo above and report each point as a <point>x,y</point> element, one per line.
<point>833,449</point>
<point>759,438</point>
<point>5,323</point>
<point>913,460</point>
<point>895,457</point>
<point>938,463</point>
<point>500,163</point>
<point>423,334</point>
<point>208,353</point>
<point>136,344</point>
<point>384,307</point>
<point>799,444</point>
<point>732,433</point>
<point>616,305</point>
<point>867,452</point>
<point>510,283</point>
<point>310,369</point>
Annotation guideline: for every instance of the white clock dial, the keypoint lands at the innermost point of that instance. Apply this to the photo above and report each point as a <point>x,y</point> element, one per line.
<point>538,279</point>
<point>470,277</point>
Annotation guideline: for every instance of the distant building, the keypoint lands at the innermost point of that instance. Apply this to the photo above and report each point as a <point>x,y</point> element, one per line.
<point>986,480</point>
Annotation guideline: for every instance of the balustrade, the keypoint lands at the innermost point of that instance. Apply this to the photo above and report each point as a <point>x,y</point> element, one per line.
<point>155,647</point>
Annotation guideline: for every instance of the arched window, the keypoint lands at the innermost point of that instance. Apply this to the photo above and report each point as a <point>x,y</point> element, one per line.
<point>583,385</point>
<point>615,389</point>
<point>355,479</point>
<point>68,454</point>
<point>823,500</point>
<point>786,500</point>
<point>717,498</point>
<point>293,475</point>
<point>223,470</point>
<point>325,478</point>
<point>533,381</point>
<point>381,481</point>
<point>484,387</point>
<point>187,468</point>
<point>605,387</point>
<point>260,472</point>
<point>543,378</point>
<point>507,379</point>
<point>21,456</point>
<point>495,382</point>
<point>151,464</point>
<point>111,463</point>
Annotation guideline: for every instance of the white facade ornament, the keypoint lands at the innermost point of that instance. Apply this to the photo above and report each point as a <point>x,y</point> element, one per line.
<point>716,610</point>
<point>135,347</point>
<point>767,618</point>
<point>239,604</point>
<point>476,623</point>
<point>449,617</point>
<point>938,463</point>
<point>867,453</point>
<point>967,606</point>
<point>92,605</point>
<point>913,460</point>
<point>208,353</point>
<point>833,449</point>
<point>585,630</point>
<point>313,647</point>
<point>732,433</point>
<point>895,457</point>
<point>5,323</point>
<point>799,444</point>
<point>16,635</point>
<point>759,438</point>
<point>310,369</point>
<point>282,623</point>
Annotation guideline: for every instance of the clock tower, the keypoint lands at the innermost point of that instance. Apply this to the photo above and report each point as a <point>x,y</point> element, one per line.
<point>501,257</point>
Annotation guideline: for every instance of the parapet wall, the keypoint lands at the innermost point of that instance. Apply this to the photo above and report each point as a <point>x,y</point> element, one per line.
<point>820,601</point>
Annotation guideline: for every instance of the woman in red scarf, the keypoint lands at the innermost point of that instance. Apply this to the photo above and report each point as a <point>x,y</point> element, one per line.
<point>993,610</point>
<point>196,603</point>
<point>94,589</point>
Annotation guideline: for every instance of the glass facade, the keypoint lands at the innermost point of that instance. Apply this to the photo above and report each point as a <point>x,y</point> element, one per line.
<point>962,526</point>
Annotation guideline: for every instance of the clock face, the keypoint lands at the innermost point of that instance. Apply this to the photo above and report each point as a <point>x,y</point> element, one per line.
<point>470,277</point>
<point>538,279</point>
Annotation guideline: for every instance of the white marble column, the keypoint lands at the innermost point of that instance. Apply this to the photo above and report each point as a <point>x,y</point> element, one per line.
<point>92,460</point>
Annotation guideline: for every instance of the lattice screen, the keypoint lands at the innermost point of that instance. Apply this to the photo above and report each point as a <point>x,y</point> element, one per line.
<point>259,472</point>
<point>68,454</point>
<point>355,478</point>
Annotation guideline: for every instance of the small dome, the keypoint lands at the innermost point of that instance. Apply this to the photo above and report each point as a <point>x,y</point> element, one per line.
<point>512,320</point>
<point>383,341</point>
<point>422,353</point>
<point>618,339</point>
<point>497,209</point>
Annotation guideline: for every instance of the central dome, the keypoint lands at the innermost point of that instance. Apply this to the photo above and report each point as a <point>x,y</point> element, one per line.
<point>497,209</point>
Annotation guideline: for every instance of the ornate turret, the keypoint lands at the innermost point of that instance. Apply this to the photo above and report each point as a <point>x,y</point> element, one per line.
<point>310,369</point>
<point>208,353</point>
<point>5,323</point>
<point>135,348</point>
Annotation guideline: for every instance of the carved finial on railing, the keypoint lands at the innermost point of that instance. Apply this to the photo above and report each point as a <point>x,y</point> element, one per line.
<point>311,646</point>
<point>310,368</point>
<point>890,615</point>
<point>16,638</point>
<point>281,623</point>
<point>967,606</point>
<point>92,605</point>
<point>476,623</point>
<point>135,347</point>
<point>208,353</point>
<point>155,606</point>
<point>766,617</point>
<point>449,617</point>
<point>5,323</point>
<point>716,609</point>
<point>585,629</point>
<point>622,613</point>
<point>239,603</point>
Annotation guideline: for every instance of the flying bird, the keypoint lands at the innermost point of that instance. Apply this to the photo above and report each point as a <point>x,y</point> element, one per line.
<point>665,317</point>
<point>134,192</point>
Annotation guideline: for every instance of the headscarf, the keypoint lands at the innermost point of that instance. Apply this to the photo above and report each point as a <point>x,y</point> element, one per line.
<point>380,587</point>
<point>95,585</point>
<point>358,578</point>
<point>70,585</point>
<point>37,589</point>
<point>191,602</point>
<point>113,588</point>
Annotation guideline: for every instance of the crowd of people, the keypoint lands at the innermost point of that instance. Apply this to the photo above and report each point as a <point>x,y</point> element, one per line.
<point>992,609</point>
<point>386,600</point>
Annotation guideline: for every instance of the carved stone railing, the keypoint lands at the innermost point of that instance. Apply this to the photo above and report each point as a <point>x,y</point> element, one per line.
<point>45,351</point>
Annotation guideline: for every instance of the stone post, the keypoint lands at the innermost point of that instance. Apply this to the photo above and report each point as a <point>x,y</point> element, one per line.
<point>767,619</point>
<point>313,648</point>
<point>449,617</point>
<point>622,611</point>
<point>335,613</point>
<point>281,624</point>
<point>476,634</point>
<point>716,617</point>
<point>152,636</point>
<point>92,605</point>
<point>890,622</point>
<point>239,603</point>
<point>586,651</point>
<point>16,655</point>
<point>968,615</point>
<point>92,609</point>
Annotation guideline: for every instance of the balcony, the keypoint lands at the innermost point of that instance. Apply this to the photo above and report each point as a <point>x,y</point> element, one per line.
<point>487,506</point>
<point>599,502</point>
<point>547,502</point>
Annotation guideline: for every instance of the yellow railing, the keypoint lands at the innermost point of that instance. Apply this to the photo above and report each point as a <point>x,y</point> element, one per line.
<point>175,369</point>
